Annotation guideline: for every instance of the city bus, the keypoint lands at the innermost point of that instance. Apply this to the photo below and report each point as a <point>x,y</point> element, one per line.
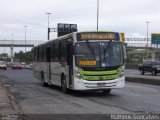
<point>81,61</point>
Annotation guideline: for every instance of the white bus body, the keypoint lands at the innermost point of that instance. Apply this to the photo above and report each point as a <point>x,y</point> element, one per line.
<point>79,61</point>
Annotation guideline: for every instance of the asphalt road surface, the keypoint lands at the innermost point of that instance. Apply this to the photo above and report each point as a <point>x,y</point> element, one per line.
<point>136,73</point>
<point>32,98</point>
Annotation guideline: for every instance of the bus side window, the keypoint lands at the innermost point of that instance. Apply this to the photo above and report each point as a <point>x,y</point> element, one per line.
<point>53,50</point>
<point>56,51</point>
<point>42,54</point>
<point>48,54</point>
<point>38,53</point>
<point>34,58</point>
<point>60,50</point>
<point>63,50</point>
<point>45,53</point>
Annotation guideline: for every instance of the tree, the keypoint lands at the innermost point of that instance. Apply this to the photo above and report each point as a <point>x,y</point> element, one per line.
<point>24,57</point>
<point>4,57</point>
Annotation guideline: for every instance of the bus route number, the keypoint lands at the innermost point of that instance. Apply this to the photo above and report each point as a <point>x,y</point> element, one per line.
<point>88,63</point>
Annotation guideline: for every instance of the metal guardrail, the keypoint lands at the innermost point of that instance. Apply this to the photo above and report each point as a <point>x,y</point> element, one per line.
<point>138,39</point>
<point>141,45</point>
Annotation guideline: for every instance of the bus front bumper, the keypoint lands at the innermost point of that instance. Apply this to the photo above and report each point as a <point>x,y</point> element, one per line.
<point>80,84</point>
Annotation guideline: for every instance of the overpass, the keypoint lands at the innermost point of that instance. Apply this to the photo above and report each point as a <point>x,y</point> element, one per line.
<point>142,47</point>
<point>19,43</point>
<point>131,44</point>
<point>140,43</point>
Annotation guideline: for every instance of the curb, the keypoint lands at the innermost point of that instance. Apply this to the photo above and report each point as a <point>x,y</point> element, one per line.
<point>12,106</point>
<point>5,102</point>
<point>143,80</point>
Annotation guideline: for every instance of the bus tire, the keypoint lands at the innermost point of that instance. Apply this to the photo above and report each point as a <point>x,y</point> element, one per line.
<point>107,91</point>
<point>43,80</point>
<point>142,71</point>
<point>154,72</point>
<point>64,84</point>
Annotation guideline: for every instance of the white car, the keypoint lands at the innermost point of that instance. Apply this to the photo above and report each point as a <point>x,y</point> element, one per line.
<point>3,65</point>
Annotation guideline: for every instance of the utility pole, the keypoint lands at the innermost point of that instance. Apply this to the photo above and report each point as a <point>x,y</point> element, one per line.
<point>12,49</point>
<point>48,30</point>
<point>97,13</point>
<point>4,46</point>
<point>25,36</point>
<point>147,40</point>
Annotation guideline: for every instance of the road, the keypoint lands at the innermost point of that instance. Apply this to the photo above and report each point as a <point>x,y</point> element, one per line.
<point>136,73</point>
<point>32,98</point>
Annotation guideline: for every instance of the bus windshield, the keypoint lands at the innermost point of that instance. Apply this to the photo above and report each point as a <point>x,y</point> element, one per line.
<point>98,54</point>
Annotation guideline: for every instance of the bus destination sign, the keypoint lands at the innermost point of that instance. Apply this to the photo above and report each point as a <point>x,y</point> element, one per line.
<point>98,36</point>
<point>87,63</point>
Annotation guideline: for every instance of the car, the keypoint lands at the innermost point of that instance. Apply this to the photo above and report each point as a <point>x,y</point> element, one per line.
<point>3,65</point>
<point>149,66</point>
<point>16,65</point>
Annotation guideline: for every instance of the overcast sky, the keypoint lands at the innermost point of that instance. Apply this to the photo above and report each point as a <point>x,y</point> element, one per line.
<point>128,16</point>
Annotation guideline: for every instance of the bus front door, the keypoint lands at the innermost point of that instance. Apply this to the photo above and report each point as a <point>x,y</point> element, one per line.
<point>70,63</point>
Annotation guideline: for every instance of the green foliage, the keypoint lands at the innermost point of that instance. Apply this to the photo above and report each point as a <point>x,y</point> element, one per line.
<point>24,57</point>
<point>4,57</point>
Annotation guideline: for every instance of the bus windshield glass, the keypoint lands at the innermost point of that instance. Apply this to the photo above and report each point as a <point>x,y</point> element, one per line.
<point>98,54</point>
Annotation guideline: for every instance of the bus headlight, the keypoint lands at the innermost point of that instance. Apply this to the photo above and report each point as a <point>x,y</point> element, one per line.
<point>122,73</point>
<point>77,75</point>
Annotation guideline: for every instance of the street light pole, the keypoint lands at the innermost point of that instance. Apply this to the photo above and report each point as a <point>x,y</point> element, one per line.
<point>25,37</point>
<point>48,25</point>
<point>12,49</point>
<point>12,38</point>
<point>147,38</point>
<point>4,46</point>
<point>4,51</point>
<point>97,13</point>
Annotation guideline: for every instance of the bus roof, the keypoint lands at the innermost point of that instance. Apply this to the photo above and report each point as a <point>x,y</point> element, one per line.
<point>56,39</point>
<point>70,35</point>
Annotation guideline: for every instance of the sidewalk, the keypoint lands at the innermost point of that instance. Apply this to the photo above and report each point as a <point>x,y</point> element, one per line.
<point>5,102</point>
<point>135,76</point>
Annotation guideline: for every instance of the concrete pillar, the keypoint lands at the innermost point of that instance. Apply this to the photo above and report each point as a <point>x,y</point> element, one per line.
<point>11,54</point>
<point>153,54</point>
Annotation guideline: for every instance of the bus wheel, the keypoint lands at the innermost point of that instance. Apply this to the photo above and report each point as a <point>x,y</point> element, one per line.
<point>43,80</point>
<point>107,91</point>
<point>154,72</point>
<point>142,72</point>
<point>64,84</point>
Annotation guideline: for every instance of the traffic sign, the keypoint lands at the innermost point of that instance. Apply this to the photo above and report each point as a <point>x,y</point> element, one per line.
<point>155,38</point>
<point>64,29</point>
